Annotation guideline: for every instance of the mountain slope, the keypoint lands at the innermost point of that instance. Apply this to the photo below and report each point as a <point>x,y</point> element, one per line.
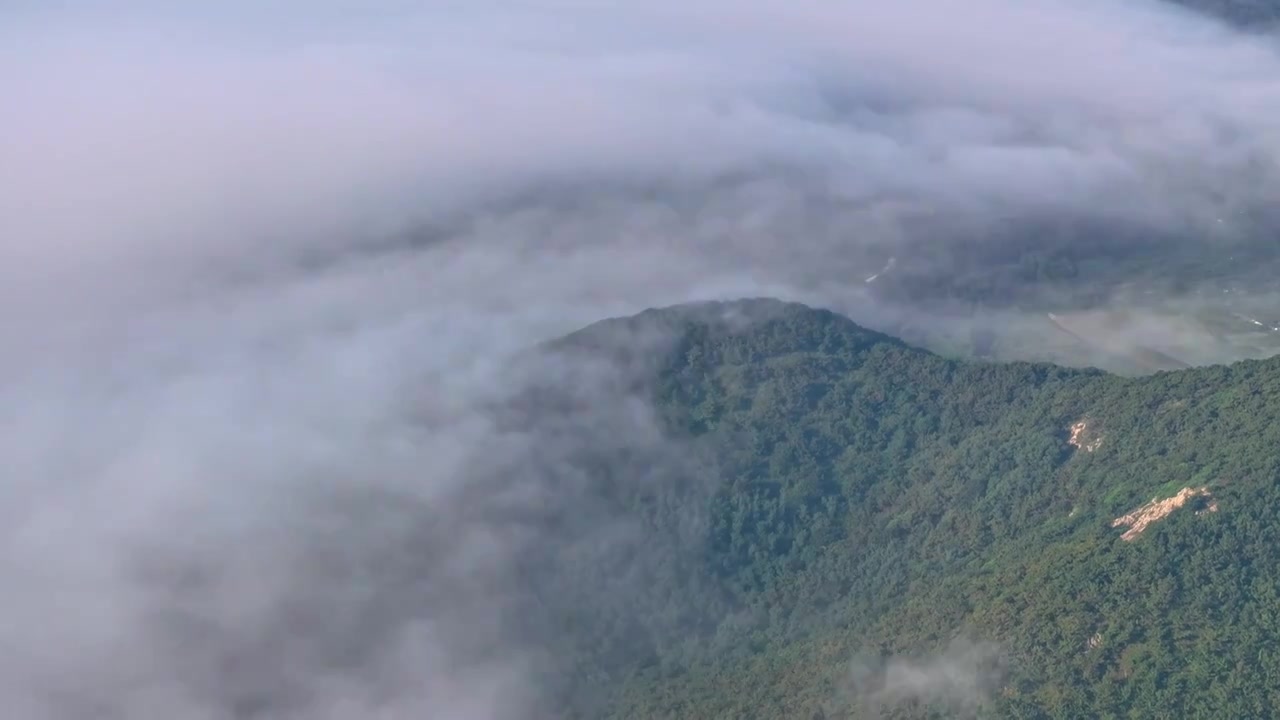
<point>864,502</point>
<point>1261,14</point>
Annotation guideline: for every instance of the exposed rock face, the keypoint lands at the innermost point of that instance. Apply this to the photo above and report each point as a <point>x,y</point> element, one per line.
<point>1156,510</point>
<point>1082,439</point>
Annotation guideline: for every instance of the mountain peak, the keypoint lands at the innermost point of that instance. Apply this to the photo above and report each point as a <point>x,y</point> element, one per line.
<point>784,326</point>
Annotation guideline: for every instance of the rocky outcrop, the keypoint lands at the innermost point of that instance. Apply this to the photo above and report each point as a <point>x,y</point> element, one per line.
<point>1082,438</point>
<point>1157,510</point>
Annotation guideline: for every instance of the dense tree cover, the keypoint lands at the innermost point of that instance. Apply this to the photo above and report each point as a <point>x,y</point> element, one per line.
<point>846,500</point>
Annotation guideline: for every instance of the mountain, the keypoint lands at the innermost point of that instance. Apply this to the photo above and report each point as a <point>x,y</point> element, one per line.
<point>1263,14</point>
<point>828,523</point>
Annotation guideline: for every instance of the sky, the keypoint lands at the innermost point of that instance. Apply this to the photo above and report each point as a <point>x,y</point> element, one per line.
<point>261,261</point>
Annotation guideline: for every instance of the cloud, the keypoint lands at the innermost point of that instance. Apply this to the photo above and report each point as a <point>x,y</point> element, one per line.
<point>960,680</point>
<point>265,268</point>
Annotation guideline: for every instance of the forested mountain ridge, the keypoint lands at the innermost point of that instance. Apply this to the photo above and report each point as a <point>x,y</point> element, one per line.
<point>863,501</point>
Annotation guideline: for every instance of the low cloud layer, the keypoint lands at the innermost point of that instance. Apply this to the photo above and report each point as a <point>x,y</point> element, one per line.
<point>264,265</point>
<point>958,682</point>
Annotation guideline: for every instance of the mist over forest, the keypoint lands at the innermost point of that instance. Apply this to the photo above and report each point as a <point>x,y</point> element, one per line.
<point>282,437</point>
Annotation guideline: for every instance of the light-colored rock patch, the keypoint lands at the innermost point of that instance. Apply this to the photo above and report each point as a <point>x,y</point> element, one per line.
<point>1157,510</point>
<point>1082,439</point>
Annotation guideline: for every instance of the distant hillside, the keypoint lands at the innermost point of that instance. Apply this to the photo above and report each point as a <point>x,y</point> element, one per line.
<point>840,525</point>
<point>1244,13</point>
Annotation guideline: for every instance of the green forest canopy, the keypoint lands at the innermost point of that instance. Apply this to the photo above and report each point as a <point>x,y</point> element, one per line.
<point>867,503</point>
